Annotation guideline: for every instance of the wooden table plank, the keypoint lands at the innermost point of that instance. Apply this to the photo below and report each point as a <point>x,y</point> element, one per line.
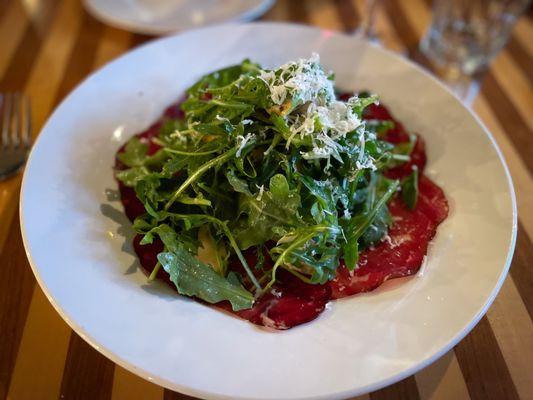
<point>16,285</point>
<point>13,25</point>
<point>486,374</point>
<point>442,380</point>
<point>127,386</point>
<point>43,349</point>
<point>513,329</point>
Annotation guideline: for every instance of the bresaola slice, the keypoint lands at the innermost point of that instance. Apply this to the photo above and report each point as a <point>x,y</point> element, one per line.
<point>292,302</point>
<point>289,303</point>
<point>404,248</point>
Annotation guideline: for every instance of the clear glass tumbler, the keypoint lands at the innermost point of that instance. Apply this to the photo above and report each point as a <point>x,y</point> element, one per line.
<point>464,37</point>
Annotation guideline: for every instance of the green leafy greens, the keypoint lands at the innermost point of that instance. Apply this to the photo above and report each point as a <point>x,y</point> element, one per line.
<point>267,160</point>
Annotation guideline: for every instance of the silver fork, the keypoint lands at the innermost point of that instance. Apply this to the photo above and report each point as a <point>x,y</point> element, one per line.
<point>15,137</point>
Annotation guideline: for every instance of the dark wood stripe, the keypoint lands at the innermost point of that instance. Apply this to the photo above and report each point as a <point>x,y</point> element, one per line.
<point>297,11</point>
<point>521,57</point>
<point>403,390</point>
<point>348,14</point>
<point>20,66</point>
<point>529,13</point>
<point>81,59</point>
<point>87,374</point>
<point>483,366</point>
<point>521,269</point>
<point>138,39</point>
<point>170,395</point>
<point>16,288</point>
<point>512,121</point>
<point>4,4</point>
<point>405,31</point>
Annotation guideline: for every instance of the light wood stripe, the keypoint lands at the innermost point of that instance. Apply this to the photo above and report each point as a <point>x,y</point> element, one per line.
<point>324,15</point>
<point>483,365</point>
<point>442,380</point>
<point>43,349</point>
<point>16,74</point>
<point>16,286</point>
<point>114,42</point>
<point>81,59</point>
<point>12,25</point>
<point>87,374</point>
<point>513,330</point>
<point>127,386</point>
<point>45,78</point>
<point>403,390</point>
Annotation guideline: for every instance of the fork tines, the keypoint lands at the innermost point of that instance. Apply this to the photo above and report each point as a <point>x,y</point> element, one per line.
<point>15,121</point>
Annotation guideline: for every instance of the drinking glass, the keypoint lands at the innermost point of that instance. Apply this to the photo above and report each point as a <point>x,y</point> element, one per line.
<point>465,36</point>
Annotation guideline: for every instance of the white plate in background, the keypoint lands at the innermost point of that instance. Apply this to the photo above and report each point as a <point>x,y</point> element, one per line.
<point>79,242</point>
<point>159,17</point>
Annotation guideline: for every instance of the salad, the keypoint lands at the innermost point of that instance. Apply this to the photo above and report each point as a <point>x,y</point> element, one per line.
<point>291,187</point>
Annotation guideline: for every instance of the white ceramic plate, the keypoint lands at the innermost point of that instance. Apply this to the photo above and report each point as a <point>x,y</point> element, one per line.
<point>158,17</point>
<point>78,240</point>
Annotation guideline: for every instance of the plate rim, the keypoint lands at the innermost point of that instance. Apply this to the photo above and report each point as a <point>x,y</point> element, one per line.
<point>117,359</point>
<point>148,29</point>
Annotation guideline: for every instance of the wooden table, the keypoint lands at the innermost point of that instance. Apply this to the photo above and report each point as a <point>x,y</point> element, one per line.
<point>48,46</point>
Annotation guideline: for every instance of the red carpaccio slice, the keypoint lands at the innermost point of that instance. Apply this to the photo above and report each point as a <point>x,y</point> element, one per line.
<point>292,302</point>
<point>402,251</point>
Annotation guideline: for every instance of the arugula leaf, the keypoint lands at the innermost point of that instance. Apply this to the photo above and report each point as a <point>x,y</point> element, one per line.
<point>357,226</point>
<point>131,176</point>
<point>194,278</point>
<point>410,189</point>
<point>238,184</point>
<point>134,153</point>
<point>258,216</point>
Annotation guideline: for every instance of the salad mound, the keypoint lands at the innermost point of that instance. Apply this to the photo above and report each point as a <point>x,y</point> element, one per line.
<point>284,182</point>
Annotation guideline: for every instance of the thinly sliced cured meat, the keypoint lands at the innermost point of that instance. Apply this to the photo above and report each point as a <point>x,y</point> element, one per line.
<point>292,302</point>
<point>431,200</point>
<point>404,248</point>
